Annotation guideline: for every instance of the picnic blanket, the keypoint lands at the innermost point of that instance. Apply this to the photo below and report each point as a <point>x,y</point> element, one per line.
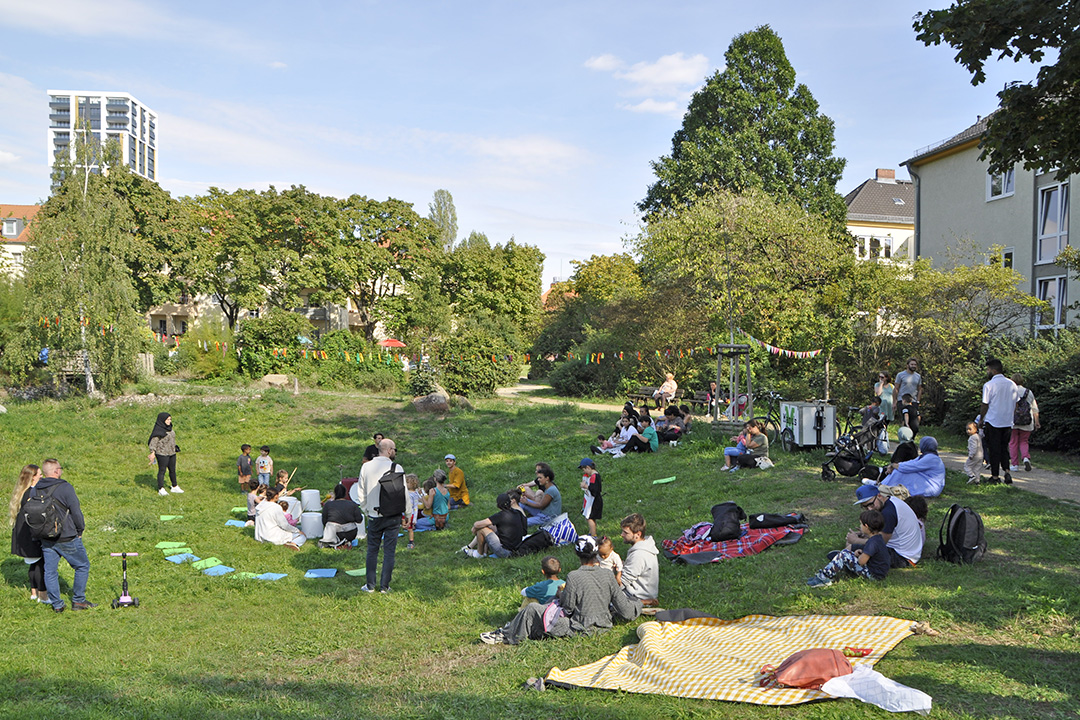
<point>713,659</point>
<point>694,547</point>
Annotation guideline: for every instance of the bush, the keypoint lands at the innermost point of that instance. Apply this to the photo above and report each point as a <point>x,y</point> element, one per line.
<point>1051,370</point>
<point>422,380</point>
<point>467,367</point>
<point>208,351</point>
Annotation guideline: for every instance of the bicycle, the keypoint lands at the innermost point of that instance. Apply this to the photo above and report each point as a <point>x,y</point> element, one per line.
<point>770,421</point>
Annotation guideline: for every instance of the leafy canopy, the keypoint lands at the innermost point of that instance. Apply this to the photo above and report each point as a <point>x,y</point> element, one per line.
<point>1036,123</point>
<point>752,126</point>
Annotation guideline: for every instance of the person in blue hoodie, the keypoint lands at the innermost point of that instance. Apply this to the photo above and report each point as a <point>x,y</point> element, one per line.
<point>924,476</point>
<point>69,545</point>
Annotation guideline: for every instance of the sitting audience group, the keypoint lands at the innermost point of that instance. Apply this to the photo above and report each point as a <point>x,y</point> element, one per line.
<point>636,431</point>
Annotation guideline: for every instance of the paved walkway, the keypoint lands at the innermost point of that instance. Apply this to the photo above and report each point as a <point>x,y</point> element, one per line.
<point>1059,486</point>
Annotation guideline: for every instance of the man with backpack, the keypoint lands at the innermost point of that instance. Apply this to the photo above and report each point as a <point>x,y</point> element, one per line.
<point>60,535</point>
<point>382,490</point>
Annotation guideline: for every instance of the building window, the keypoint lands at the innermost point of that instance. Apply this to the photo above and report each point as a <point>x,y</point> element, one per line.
<point>11,228</point>
<point>254,313</point>
<point>163,327</point>
<point>1000,185</point>
<point>1053,222</point>
<point>183,326</point>
<point>16,259</point>
<point>1052,290</point>
<point>1003,258</point>
<point>874,247</point>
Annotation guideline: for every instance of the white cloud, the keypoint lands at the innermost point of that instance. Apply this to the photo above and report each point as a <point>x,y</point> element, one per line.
<point>657,107</point>
<point>604,63</point>
<point>6,158</point>
<point>278,65</point>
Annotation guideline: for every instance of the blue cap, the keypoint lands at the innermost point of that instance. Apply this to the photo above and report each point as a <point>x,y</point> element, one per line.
<point>449,457</point>
<point>586,462</point>
<point>865,494</point>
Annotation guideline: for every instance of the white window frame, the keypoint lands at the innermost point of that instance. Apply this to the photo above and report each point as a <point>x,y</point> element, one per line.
<point>1008,185</point>
<point>1005,253</point>
<point>11,227</point>
<point>1062,232</point>
<point>865,243</point>
<point>1061,284</point>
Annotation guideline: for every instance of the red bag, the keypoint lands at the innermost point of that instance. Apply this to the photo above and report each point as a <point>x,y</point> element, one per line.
<point>812,668</point>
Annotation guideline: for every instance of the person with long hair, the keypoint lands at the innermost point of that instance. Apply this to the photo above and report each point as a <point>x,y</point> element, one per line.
<point>163,449</point>
<point>23,543</point>
<point>885,390</point>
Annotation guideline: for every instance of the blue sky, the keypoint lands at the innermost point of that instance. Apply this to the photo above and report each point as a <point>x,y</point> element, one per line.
<point>540,118</point>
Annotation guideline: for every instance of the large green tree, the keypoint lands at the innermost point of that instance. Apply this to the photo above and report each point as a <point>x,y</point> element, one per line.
<point>752,126</point>
<point>1036,123</point>
<point>442,212</point>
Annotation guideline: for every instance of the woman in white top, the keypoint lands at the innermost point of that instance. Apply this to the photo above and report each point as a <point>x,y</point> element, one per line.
<point>272,527</point>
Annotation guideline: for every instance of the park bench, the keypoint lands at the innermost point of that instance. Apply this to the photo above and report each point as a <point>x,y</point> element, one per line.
<point>700,399</point>
<point>644,393</point>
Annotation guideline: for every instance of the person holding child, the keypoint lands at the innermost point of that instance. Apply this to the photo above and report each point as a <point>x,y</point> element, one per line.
<point>872,561</point>
<point>757,445</point>
<point>163,449</point>
<point>588,603</point>
<point>272,526</point>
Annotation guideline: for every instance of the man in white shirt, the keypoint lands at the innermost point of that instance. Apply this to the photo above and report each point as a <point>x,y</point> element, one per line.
<point>996,418</point>
<point>381,530</point>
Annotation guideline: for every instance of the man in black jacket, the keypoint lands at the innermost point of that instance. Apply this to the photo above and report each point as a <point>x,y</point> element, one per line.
<point>342,519</point>
<point>69,545</point>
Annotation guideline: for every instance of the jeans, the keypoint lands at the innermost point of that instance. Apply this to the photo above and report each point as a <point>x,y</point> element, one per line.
<point>75,554</point>
<point>381,531</point>
<point>538,519</point>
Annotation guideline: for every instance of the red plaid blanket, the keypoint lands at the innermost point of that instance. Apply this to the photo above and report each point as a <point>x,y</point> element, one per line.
<point>749,542</point>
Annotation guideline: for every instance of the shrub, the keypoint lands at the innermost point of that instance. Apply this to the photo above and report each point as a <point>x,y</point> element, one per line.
<point>475,362</point>
<point>422,380</point>
<point>208,351</point>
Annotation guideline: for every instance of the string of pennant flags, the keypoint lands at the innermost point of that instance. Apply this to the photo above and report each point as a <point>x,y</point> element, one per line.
<point>800,354</point>
<point>48,322</point>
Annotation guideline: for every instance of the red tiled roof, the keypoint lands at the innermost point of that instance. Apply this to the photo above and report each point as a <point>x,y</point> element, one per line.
<point>19,212</point>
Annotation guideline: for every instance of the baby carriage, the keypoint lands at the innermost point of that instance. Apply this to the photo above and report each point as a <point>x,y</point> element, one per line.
<point>852,453</point>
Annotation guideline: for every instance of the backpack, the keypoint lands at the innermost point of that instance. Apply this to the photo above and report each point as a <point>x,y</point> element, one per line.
<point>44,515</point>
<point>392,492</point>
<point>536,542</point>
<point>961,539</point>
<point>727,517</point>
<point>1022,413</point>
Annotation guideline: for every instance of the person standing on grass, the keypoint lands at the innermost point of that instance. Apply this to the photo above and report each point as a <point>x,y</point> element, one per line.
<point>996,418</point>
<point>459,491</point>
<point>69,545</point>
<point>593,507</point>
<point>163,450</point>
<point>1025,422</point>
<point>243,467</point>
<point>23,543</point>
<point>544,505</point>
<point>910,382</point>
<point>381,529</point>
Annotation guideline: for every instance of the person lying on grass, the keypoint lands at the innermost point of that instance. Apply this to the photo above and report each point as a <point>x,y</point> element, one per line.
<point>588,603</point>
<point>871,562</point>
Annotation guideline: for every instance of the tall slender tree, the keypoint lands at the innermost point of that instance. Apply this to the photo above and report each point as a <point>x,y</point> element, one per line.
<point>442,212</point>
<point>752,126</point>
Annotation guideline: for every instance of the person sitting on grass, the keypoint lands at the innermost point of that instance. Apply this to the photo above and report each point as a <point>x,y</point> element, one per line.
<point>547,589</point>
<point>738,444</point>
<point>437,502</point>
<point>588,603</point>
<point>640,577</point>
<point>342,520</point>
<point>459,491</point>
<point>502,533</point>
<point>610,559</point>
<point>644,441</point>
<point>757,445</point>
<point>871,561</point>
<point>271,525</point>
<point>673,425</point>
<point>254,497</point>
<point>924,476</point>
<point>546,503</point>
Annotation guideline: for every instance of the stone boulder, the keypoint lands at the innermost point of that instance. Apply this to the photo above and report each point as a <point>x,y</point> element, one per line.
<point>461,402</point>
<point>276,380</point>
<point>432,403</point>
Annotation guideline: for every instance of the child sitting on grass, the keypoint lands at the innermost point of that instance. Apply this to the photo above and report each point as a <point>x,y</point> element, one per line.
<point>412,506</point>
<point>288,516</point>
<point>547,589</point>
<point>872,561</point>
<point>437,502</point>
<point>610,559</point>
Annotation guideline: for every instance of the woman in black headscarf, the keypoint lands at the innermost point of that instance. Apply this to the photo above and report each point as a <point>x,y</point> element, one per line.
<point>163,449</point>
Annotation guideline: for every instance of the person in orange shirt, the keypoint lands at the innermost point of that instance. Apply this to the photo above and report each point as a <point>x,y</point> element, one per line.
<point>459,491</point>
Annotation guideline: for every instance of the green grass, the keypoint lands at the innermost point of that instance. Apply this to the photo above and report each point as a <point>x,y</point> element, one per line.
<point>203,647</point>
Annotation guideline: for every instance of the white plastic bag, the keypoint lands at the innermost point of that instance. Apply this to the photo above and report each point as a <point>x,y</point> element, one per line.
<point>867,684</point>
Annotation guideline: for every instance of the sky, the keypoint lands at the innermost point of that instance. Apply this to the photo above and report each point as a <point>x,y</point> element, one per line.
<point>541,119</point>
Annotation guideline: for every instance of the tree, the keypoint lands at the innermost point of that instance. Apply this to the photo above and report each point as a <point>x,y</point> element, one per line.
<point>441,211</point>
<point>605,278</point>
<point>751,126</point>
<point>1035,123</point>
<point>80,301</point>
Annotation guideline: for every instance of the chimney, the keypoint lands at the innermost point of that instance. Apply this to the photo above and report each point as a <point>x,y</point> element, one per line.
<point>886,176</point>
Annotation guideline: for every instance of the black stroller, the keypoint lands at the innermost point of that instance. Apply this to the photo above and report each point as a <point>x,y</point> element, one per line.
<point>851,454</point>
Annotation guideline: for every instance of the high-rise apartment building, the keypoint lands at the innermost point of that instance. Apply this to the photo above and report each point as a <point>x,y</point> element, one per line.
<point>110,116</point>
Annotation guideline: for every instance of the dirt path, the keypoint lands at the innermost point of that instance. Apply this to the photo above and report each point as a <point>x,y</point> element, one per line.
<point>1059,486</point>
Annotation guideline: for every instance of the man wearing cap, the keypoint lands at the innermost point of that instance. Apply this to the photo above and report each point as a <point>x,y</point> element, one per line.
<point>459,492</point>
<point>902,533</point>
<point>593,508</point>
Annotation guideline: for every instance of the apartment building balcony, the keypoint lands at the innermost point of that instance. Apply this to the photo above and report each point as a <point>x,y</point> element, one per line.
<point>312,313</point>
<point>58,102</point>
<point>116,103</point>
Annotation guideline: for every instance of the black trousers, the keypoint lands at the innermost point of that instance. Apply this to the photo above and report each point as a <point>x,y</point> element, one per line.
<point>636,444</point>
<point>997,447</point>
<point>163,462</point>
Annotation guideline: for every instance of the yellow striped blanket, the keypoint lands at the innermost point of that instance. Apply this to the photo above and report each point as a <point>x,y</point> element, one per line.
<point>714,659</point>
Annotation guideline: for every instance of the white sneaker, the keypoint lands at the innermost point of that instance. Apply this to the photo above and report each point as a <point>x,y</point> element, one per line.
<point>618,454</point>
<point>176,489</point>
<point>163,492</point>
<point>367,589</point>
<point>1014,468</point>
<point>473,553</point>
<point>1027,464</point>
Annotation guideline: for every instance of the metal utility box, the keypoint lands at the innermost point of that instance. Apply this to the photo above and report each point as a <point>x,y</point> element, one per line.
<point>804,419</point>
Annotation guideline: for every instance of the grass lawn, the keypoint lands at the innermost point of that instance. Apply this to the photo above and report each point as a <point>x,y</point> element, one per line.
<point>219,647</point>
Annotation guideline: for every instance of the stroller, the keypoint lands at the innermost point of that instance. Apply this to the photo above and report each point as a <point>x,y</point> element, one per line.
<point>851,454</point>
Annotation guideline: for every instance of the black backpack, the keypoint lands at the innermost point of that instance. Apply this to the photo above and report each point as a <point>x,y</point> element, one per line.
<point>391,492</point>
<point>44,515</point>
<point>727,517</point>
<point>1022,413</point>
<point>961,539</point>
<point>539,540</point>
